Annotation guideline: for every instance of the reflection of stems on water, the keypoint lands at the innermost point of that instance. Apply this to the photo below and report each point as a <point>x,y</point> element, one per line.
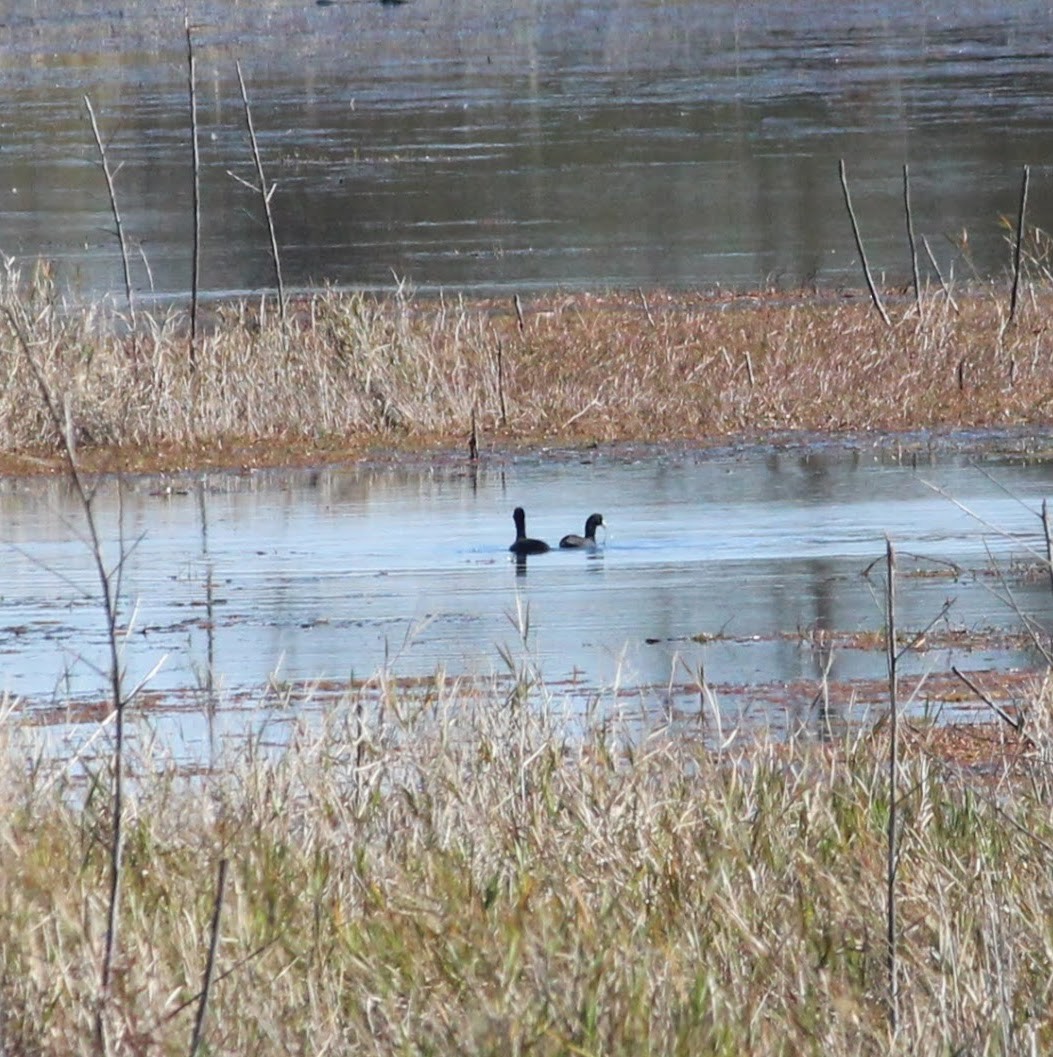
<point>821,701</point>
<point>1048,540</point>
<point>210,627</point>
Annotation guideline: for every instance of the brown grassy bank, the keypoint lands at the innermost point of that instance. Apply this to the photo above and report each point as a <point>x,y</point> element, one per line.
<point>353,372</point>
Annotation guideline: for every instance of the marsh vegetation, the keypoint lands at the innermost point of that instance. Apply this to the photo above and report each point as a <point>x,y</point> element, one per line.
<point>348,372</point>
<point>453,873</point>
<point>459,866</point>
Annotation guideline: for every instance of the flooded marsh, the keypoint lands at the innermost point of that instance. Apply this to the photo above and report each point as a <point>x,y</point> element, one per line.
<point>378,786</point>
<point>739,580</point>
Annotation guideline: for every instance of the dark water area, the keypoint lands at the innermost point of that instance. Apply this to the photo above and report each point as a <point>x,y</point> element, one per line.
<point>477,146</point>
<point>730,567</point>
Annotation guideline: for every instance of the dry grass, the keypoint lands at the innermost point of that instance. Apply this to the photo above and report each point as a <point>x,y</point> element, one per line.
<point>456,875</point>
<point>353,370</point>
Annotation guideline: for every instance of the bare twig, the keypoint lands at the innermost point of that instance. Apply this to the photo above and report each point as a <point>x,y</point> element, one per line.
<point>874,295</point>
<point>518,305</point>
<point>910,239</point>
<point>266,192</point>
<point>210,964</point>
<point>195,185</point>
<point>1018,250</point>
<point>893,783</point>
<point>593,403</point>
<point>122,242</point>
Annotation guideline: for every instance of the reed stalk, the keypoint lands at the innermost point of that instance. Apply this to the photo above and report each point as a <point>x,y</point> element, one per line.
<point>109,175</point>
<point>210,963</point>
<point>195,190</point>
<point>911,242</point>
<point>892,850</point>
<point>1021,220</point>
<point>874,295</point>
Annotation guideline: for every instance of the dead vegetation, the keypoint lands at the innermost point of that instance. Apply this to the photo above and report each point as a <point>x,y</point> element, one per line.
<point>350,371</point>
<point>452,874</point>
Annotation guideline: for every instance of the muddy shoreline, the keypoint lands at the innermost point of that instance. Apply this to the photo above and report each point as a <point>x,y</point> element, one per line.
<point>173,463</point>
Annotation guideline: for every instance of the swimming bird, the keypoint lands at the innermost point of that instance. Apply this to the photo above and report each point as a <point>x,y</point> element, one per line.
<point>524,544</point>
<point>589,539</point>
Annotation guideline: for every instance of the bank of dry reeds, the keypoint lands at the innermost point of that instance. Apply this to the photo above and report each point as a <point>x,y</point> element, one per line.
<point>456,875</point>
<point>350,370</point>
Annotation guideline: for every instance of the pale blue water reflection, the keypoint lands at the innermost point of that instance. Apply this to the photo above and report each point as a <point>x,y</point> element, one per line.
<point>335,573</point>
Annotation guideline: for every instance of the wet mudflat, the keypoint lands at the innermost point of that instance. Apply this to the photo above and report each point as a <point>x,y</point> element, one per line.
<point>737,583</point>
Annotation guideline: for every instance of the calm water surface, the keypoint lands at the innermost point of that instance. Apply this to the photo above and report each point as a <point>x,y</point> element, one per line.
<point>337,573</point>
<point>476,145</point>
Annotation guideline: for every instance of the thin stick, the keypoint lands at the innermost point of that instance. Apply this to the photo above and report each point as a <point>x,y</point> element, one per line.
<point>874,295</point>
<point>939,275</point>
<point>893,772</point>
<point>910,238</point>
<point>1018,250</point>
<point>210,964</point>
<point>519,313</point>
<point>122,242</point>
<point>109,600</point>
<point>266,193</point>
<point>195,263</point>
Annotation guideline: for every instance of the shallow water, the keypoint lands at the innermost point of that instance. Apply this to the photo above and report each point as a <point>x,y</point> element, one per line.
<point>493,146</point>
<point>729,562</point>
